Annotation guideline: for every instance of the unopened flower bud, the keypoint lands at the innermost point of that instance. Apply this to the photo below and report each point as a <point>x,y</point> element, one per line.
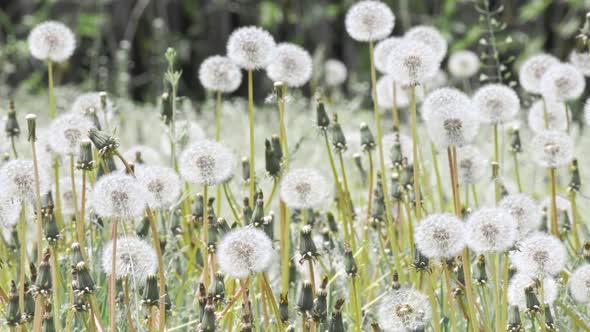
<point>32,127</point>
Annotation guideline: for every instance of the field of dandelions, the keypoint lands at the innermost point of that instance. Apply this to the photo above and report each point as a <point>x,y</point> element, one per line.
<point>448,206</point>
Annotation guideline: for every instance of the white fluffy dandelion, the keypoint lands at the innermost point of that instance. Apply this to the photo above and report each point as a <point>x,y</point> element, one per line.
<point>244,251</point>
<point>533,69</point>
<point>540,254</point>
<point>67,195</point>
<point>219,73</point>
<point>471,164</point>
<point>207,163</point>
<point>17,177</point>
<point>562,82</point>
<point>550,115</point>
<point>90,104</point>
<point>552,149</point>
<point>463,64</point>
<point>521,281</point>
<point>412,62</point>
<point>385,86</point>
<point>382,51</point>
<point>135,259</point>
<point>52,41</point>
<point>525,210</point>
<point>304,188</point>
<point>251,47</point>
<point>67,131</point>
<point>429,36</point>
<point>440,235</point>
<point>9,211</point>
<point>496,103</point>
<point>291,64</point>
<point>405,309</point>
<point>335,72</point>
<point>369,20</point>
<point>147,155</point>
<point>162,184</point>
<point>118,196</point>
<point>491,229</point>
<point>581,61</point>
<point>579,284</point>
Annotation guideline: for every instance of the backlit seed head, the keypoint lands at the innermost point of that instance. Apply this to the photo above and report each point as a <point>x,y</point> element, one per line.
<point>219,73</point>
<point>207,163</point>
<point>17,177</point>
<point>405,309</point>
<point>579,284</point>
<point>440,235</point>
<point>134,259</point>
<point>335,72</point>
<point>251,47</point>
<point>525,210</point>
<point>162,184</point>
<point>552,149</point>
<point>304,188</point>
<point>429,36</point>
<point>540,254</point>
<point>244,251</point>
<point>413,62</point>
<point>491,230</point>
<point>369,20</point>
<point>67,196</point>
<point>291,64</point>
<point>471,164</point>
<point>463,64</point>
<point>52,41</point>
<point>118,196</point>
<point>533,69</point>
<point>562,82</point>
<point>91,105</point>
<point>385,89</point>
<point>67,131</point>
<point>382,51</point>
<point>521,281</point>
<point>496,103</point>
<point>547,115</point>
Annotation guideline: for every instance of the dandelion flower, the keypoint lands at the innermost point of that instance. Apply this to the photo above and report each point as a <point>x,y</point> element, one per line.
<point>581,61</point>
<point>67,131</point>
<point>562,82</point>
<point>525,210</point>
<point>369,20</point>
<point>219,73</point>
<point>118,196</point>
<point>291,64</point>
<point>429,36</point>
<point>496,103</point>
<point>412,62</point>
<point>67,196</point>
<point>382,51</point>
<point>207,163</point>
<point>521,281</point>
<point>463,64</point>
<point>335,72</point>
<point>552,149</point>
<point>251,47</point>
<point>491,229</point>
<point>244,251</point>
<point>540,254</point>
<point>579,284</point>
<point>533,69</point>
<point>52,41</point>
<point>551,113</point>
<point>162,184</point>
<point>440,235</point>
<point>471,164</point>
<point>405,309</point>
<point>443,98</point>
<point>17,177</point>
<point>134,259</point>
<point>304,188</point>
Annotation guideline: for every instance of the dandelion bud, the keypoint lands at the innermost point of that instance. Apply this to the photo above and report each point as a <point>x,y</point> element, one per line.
<point>43,280</point>
<point>151,292</point>
<point>349,263</point>
<point>85,283</point>
<point>308,249</point>
<point>575,180</point>
<point>305,302</point>
<point>367,139</point>
<point>420,262</point>
<point>48,323</point>
<point>208,320</point>
<point>50,228</point>
<point>218,288</point>
<point>284,307</point>
<point>166,108</point>
<point>319,312</point>
<point>523,292</point>
<point>338,138</point>
<point>245,169</point>
<point>532,302</point>
<point>583,37</point>
<point>51,41</point>
<point>276,146</point>
<point>31,125</point>
<point>480,276</point>
<point>105,143</point>
<point>76,254</point>
<point>11,125</point>
<point>549,322</point>
<point>515,144</point>
<point>13,316</point>
<point>29,308</point>
<point>247,211</point>
<point>586,251</point>
<point>336,324</point>
<point>404,310</point>
<point>514,322</point>
<point>202,300</point>
<point>272,160</point>
<point>47,204</point>
<point>322,118</point>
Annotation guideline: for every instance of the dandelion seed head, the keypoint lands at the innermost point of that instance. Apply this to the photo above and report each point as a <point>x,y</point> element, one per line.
<point>431,37</point>
<point>219,73</point>
<point>251,47</point>
<point>67,195</point>
<point>369,20</point>
<point>385,86</point>
<point>471,164</point>
<point>496,103</point>
<point>405,309</point>
<point>9,211</point>
<point>533,69</point>
<point>581,61</point>
<point>244,251</point>
<point>304,188</point>
<point>555,116</point>
<point>525,210</point>
<point>412,62</point>
<point>67,131</point>
<point>17,177</point>
<point>335,72</point>
<point>162,184</point>
<point>562,82</point>
<point>521,281</point>
<point>443,98</point>
<point>491,229</point>
<point>291,64</point>
<point>119,196</point>
<point>440,235</point>
<point>540,254</point>
<point>52,41</point>
<point>206,162</point>
<point>382,51</point>
<point>90,104</point>
<point>134,259</point>
<point>463,64</point>
<point>552,149</point>
<point>579,284</point>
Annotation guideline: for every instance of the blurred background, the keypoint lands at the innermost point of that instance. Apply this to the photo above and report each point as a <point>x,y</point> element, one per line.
<point>121,43</point>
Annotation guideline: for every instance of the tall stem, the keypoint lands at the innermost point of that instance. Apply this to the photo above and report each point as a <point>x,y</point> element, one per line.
<point>79,225</point>
<point>574,219</point>
<point>394,111</point>
<point>517,172</point>
<point>22,229</point>
<point>371,174</point>
<point>251,125</point>
<point>161,268</point>
<point>205,236</point>
<point>50,86</point>
<point>450,301</point>
<point>439,187</point>
<point>218,138</point>
<point>415,163</point>
<point>554,225</point>
<point>284,219</point>
<point>113,278</point>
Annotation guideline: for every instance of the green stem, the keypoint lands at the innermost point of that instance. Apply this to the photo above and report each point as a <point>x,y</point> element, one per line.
<point>50,86</point>
<point>251,126</point>
<point>441,195</point>
<point>205,237</point>
<point>218,138</point>
<point>113,278</point>
<point>415,163</point>
<point>161,268</point>
<point>517,172</point>
<point>574,206</point>
<point>554,225</point>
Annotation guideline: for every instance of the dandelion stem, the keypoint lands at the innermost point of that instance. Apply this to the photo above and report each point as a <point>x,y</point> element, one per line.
<point>415,164</point>
<point>371,175</point>
<point>273,302</point>
<point>50,86</point>
<point>252,178</point>
<point>22,229</point>
<point>450,301</point>
<point>13,145</point>
<point>346,204</point>
<point>542,303</point>
<point>517,172</point>
<point>433,303</point>
<point>394,111</point>
<point>574,207</point>
<point>441,195</point>
<point>554,225</point>
<point>504,289</point>
<point>79,225</point>
<point>55,280</point>
<point>113,278</point>
<point>218,138</point>
<point>127,306</point>
<point>205,237</point>
<point>161,267</point>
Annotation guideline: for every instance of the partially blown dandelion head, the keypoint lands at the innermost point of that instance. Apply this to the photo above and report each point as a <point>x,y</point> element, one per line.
<point>491,229</point>
<point>118,196</point>
<point>207,163</point>
<point>521,281</point>
<point>552,149</point>
<point>335,72</point>
<point>562,82</point>
<point>17,177</point>
<point>525,210</point>
<point>67,131</point>
<point>304,188</point>
<point>440,235</point>
<point>540,254</point>
<point>251,47</point>
<point>162,184</point>
<point>134,259</point>
<point>463,64</point>
<point>219,73</point>
<point>291,64</point>
<point>471,164</point>
<point>549,115</point>
<point>581,61</point>
<point>382,51</point>
<point>369,20</point>
<point>51,41</point>
<point>496,103</point>
<point>405,309</point>
<point>533,69</point>
<point>412,62</point>
<point>244,251</point>
<point>579,284</point>
<point>429,36</point>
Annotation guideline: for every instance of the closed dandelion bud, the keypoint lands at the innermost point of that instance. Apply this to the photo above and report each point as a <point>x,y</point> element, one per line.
<point>338,138</point>
<point>13,316</point>
<point>29,310</point>
<point>105,143</point>
<point>47,204</point>
<point>271,161</point>
<point>322,118</point>
<point>397,189</point>
<point>11,125</point>
<point>319,311</point>
<point>308,249</point>
<point>367,139</point>
<point>564,221</point>
<point>48,323</point>
<point>79,303</point>
<point>532,303</point>
<point>349,263</point>
<point>247,211</point>
<point>406,175</point>
<point>515,144</point>
<point>213,235</point>
<point>514,322</point>
<point>76,254</point>
<point>258,212</point>
<point>166,108</point>
<point>305,302</point>
<point>575,181</point>
<point>396,154</point>
<point>32,127</point>
<point>336,324</point>
<point>395,285</point>
<point>460,277</point>
<point>332,222</point>
<point>208,320</point>
<point>85,283</point>
<point>277,149</point>
<point>420,262</point>
<point>378,208</point>
<point>267,223</point>
<point>202,300</point>
<point>549,322</point>
<point>151,293</point>
<point>107,166</point>
<point>50,228</point>
<point>480,276</point>
<point>284,307</point>
<point>144,227</point>
<point>43,280</point>
<point>217,288</point>
<point>245,169</point>
<point>198,208</point>
<point>85,158</point>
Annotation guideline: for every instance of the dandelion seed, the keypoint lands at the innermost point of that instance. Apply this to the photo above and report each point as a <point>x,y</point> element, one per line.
<point>412,62</point>
<point>335,72</point>
<point>525,210</point>
<point>540,254</point>
<point>520,281</point>
<point>471,164</point>
<point>431,37</point>
<point>369,20</point>
<point>251,47</point>
<point>405,309</point>
<point>304,188</point>
<point>162,184</point>
<point>135,259</point>
<point>51,40</point>
<point>463,64</point>
<point>67,131</point>
<point>118,196</point>
<point>219,73</point>
<point>291,64</point>
<point>552,149</point>
<point>496,103</point>
<point>491,230</point>
<point>206,162</point>
<point>533,69</point>
<point>579,284</point>
<point>440,235</point>
<point>562,82</point>
<point>244,251</point>
<point>550,115</point>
